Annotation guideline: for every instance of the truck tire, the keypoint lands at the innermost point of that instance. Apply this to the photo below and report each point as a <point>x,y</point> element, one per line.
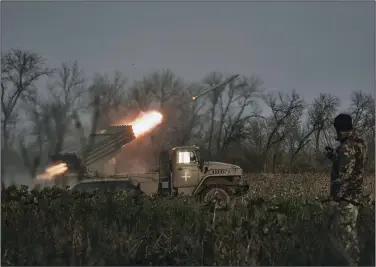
<point>219,194</point>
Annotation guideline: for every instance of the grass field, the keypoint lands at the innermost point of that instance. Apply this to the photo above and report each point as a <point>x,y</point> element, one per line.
<point>306,185</point>
<point>280,222</point>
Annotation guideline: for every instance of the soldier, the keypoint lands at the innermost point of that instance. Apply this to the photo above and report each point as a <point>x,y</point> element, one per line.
<point>346,186</point>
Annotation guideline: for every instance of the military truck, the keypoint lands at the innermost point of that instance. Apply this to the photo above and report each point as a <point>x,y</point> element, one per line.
<point>181,169</point>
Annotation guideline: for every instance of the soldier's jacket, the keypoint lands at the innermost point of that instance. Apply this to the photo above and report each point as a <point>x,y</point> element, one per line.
<point>348,168</point>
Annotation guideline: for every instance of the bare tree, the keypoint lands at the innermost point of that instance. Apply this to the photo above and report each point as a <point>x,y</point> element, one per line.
<point>298,139</point>
<point>188,115</point>
<point>141,93</point>
<point>362,109</point>
<point>19,72</point>
<point>112,93</point>
<point>107,96</point>
<point>234,118</point>
<point>36,143</point>
<point>285,111</point>
<point>95,105</point>
<point>165,85</point>
<point>66,92</point>
<point>321,114</point>
<point>232,97</point>
<point>212,80</point>
<point>158,87</point>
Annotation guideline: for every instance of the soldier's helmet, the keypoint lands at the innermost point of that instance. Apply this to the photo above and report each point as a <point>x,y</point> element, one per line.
<point>343,122</point>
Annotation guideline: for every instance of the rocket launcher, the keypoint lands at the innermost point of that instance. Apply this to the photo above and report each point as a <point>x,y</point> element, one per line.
<point>107,144</point>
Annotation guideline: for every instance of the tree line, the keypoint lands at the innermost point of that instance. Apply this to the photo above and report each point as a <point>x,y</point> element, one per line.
<point>227,123</point>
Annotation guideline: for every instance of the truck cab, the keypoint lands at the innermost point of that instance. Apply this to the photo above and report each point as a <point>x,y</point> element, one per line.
<point>183,171</point>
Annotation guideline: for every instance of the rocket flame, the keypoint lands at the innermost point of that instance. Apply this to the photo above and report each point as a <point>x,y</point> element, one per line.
<point>145,122</point>
<point>52,171</point>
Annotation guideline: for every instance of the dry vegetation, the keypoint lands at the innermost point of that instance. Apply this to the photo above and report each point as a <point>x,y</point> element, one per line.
<point>305,185</point>
<point>56,227</point>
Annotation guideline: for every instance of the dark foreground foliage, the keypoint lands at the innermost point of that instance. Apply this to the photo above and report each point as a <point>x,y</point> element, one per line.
<point>57,227</point>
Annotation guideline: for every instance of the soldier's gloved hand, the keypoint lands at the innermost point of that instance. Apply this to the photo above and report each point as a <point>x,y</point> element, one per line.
<point>329,152</point>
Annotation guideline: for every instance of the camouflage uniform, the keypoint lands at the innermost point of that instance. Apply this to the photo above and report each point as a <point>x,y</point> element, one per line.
<point>346,191</point>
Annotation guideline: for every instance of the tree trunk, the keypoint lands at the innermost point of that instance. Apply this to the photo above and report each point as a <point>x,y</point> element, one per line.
<point>292,158</point>
<point>265,160</point>
<point>274,161</point>
<point>4,149</point>
<point>59,144</point>
<point>211,131</point>
<point>219,137</point>
<point>317,141</point>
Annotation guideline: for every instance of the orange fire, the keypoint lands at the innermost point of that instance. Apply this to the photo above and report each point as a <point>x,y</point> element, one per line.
<point>145,122</point>
<point>52,171</point>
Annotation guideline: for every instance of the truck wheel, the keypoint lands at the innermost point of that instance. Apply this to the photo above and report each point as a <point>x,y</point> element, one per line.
<point>218,195</point>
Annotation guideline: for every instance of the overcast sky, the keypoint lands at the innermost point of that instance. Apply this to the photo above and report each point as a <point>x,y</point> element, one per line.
<point>312,47</point>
